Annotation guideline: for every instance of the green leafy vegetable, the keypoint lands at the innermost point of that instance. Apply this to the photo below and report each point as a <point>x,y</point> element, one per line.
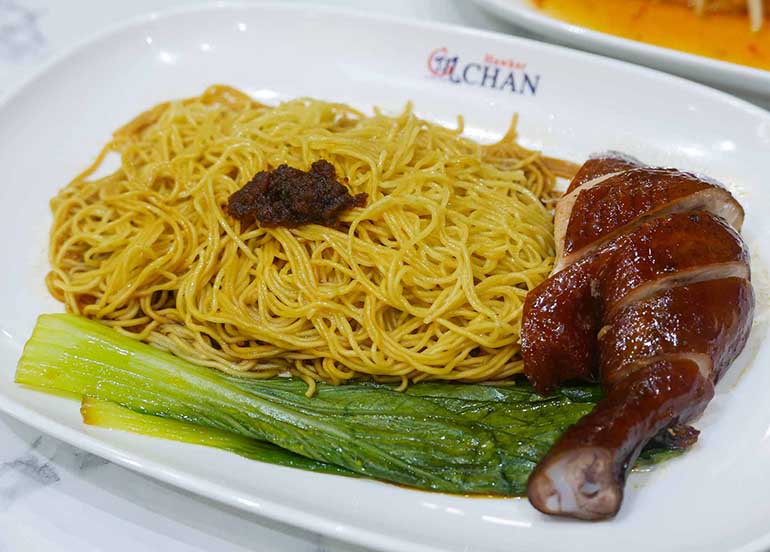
<point>438,436</point>
<point>110,415</point>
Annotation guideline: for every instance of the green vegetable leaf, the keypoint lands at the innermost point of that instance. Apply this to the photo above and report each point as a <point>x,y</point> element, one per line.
<point>438,436</point>
<point>113,416</point>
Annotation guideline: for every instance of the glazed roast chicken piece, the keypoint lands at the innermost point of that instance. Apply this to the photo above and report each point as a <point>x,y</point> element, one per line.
<point>563,316</point>
<point>654,302</point>
<point>610,204</point>
<point>583,474</point>
<point>604,164</point>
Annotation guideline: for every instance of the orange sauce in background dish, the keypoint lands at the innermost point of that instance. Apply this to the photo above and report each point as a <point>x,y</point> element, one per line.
<point>725,36</point>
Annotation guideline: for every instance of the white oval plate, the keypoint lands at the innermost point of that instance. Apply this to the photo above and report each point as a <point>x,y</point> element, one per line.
<point>571,104</point>
<point>729,76</point>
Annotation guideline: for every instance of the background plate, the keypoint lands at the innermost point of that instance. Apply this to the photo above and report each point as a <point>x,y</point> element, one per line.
<point>730,76</point>
<point>570,103</point>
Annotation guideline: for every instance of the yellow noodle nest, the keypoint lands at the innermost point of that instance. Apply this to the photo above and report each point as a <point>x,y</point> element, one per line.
<point>427,282</point>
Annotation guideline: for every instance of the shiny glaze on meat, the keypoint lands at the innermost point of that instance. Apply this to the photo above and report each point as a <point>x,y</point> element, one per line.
<point>628,196</point>
<point>652,297</point>
<point>600,165</point>
<point>560,322</point>
<point>605,207</point>
<point>671,251</point>
<point>708,318</point>
<point>563,315</point>
<point>595,454</point>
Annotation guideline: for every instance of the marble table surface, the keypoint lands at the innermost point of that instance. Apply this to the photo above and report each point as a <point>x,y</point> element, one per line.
<point>56,497</point>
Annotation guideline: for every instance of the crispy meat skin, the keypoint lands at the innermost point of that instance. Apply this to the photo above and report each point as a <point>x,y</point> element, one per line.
<point>613,203</point>
<point>290,197</point>
<point>594,456</point>
<point>559,326</point>
<point>709,318</point>
<point>671,248</point>
<point>677,436</point>
<point>653,298</point>
<point>624,198</point>
<point>564,314</point>
<point>600,165</point>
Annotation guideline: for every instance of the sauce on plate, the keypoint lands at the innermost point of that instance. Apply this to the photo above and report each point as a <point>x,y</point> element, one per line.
<point>723,36</point>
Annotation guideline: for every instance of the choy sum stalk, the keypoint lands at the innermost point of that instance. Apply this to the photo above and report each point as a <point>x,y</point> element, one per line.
<point>437,436</point>
<point>105,414</point>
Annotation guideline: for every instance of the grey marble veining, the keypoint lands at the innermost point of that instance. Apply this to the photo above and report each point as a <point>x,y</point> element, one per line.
<point>26,473</point>
<point>53,493</point>
<point>20,34</point>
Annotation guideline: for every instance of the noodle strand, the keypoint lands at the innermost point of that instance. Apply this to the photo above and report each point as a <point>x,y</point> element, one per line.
<point>427,281</point>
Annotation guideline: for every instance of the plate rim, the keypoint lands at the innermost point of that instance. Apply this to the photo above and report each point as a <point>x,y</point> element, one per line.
<point>89,39</point>
<point>593,39</point>
<point>183,479</point>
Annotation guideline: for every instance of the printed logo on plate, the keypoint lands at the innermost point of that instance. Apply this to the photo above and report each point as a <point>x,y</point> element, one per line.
<point>496,73</point>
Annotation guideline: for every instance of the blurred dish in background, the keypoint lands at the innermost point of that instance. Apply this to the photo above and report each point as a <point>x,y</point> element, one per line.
<point>725,43</point>
<point>728,30</point>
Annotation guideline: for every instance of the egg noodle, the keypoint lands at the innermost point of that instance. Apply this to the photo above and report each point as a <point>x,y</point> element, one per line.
<point>427,281</point>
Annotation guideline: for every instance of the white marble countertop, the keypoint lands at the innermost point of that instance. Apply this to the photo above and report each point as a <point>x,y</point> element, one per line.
<point>56,497</point>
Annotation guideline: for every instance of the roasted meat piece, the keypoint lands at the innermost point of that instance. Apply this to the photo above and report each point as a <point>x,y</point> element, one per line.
<point>652,298</point>
<point>599,209</point>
